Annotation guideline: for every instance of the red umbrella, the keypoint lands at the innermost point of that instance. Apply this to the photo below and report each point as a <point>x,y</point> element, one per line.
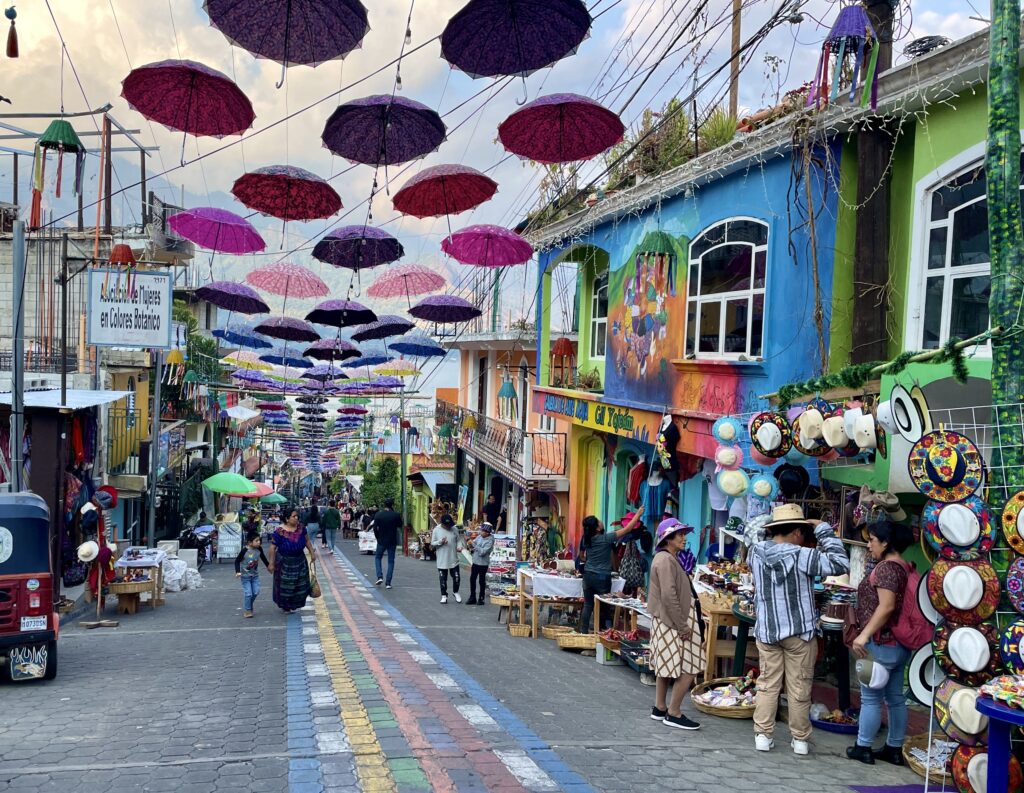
<point>561,128</point>
<point>287,193</point>
<point>444,190</point>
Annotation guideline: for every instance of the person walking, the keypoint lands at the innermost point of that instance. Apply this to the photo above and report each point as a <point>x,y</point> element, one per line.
<point>288,547</point>
<point>386,527</point>
<point>247,568</point>
<point>677,629</point>
<point>312,521</point>
<point>492,512</point>
<point>346,522</point>
<point>481,548</point>
<point>447,544</point>
<point>787,617</point>
<point>879,600</point>
<point>596,555</point>
<point>331,522</point>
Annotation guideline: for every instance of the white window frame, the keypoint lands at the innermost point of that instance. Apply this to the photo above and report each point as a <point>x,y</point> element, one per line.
<point>596,321</point>
<point>919,273</point>
<point>724,297</point>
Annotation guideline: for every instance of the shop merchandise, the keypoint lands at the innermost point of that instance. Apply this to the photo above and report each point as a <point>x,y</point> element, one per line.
<point>727,430</point>
<point>960,531</point>
<point>804,443</point>
<point>969,767</point>
<point>771,435</point>
<point>1011,647</point>
<point>907,413</point>
<point>967,653</point>
<point>965,593</point>
<point>1008,689</point>
<point>924,674</point>
<point>946,466</point>
<point>1013,522</point>
<point>742,693</point>
<point>764,487</point>
<point>956,714</point>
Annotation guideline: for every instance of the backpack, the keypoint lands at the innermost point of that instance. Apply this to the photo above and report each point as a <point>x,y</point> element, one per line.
<point>631,568</point>
<point>910,629</point>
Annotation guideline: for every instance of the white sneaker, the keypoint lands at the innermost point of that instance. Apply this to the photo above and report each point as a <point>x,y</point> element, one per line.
<point>763,743</point>
<point>801,747</point>
<point>458,598</point>
<point>378,582</point>
<point>444,598</point>
<point>388,586</point>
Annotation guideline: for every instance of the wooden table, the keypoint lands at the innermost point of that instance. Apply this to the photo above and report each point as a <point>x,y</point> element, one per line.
<point>544,588</point>
<point>629,614</point>
<point>718,614</point>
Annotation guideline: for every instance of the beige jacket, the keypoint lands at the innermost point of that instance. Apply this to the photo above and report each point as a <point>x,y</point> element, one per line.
<point>670,598</point>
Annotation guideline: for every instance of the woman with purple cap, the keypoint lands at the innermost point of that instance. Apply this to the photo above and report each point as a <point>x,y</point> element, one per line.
<point>677,628</point>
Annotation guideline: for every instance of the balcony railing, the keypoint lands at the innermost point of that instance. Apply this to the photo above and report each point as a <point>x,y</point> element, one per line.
<point>125,431</point>
<point>41,362</point>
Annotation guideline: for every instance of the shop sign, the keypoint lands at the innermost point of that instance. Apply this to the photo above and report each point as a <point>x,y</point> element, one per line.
<point>136,318</point>
<point>600,416</point>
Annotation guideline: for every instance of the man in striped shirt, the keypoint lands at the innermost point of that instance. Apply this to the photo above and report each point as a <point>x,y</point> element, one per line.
<point>784,573</point>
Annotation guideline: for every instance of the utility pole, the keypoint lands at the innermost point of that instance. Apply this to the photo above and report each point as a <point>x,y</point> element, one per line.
<point>18,360</point>
<point>64,278</point>
<point>154,450</point>
<point>404,467</point>
<point>734,64</point>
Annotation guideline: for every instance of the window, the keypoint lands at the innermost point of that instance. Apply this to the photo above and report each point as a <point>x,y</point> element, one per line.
<point>599,316</point>
<point>725,295</point>
<point>956,282</point>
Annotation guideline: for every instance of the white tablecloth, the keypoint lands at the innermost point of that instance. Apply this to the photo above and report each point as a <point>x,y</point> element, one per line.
<point>151,557</point>
<point>559,586</point>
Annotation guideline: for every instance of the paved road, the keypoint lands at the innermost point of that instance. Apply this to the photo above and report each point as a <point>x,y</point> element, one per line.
<point>364,690</point>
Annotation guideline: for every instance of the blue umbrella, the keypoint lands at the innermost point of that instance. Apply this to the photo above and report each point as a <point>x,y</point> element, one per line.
<point>242,335</point>
<point>281,357</point>
<point>419,346</point>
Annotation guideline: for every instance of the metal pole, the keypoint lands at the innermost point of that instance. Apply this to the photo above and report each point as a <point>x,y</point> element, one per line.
<point>64,319</point>
<point>142,188</point>
<point>17,360</point>
<point>14,173</point>
<point>154,450</point>
<point>108,167</point>
<point>401,449</point>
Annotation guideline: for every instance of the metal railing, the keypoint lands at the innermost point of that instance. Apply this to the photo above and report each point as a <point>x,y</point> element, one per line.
<point>125,431</point>
<point>42,362</point>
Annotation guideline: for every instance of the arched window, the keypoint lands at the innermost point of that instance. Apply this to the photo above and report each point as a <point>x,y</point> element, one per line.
<point>599,316</point>
<point>956,267</point>
<point>725,296</point>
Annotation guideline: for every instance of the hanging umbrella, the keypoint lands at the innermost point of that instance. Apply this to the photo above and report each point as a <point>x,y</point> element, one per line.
<point>285,374</point>
<point>445,309</point>
<point>287,193</point>
<point>226,482</point>
<point>487,246</point>
<point>245,360</point>
<point>560,128</point>
<point>269,405</point>
<point>419,346</point>
<point>312,410</point>
<point>399,368</point>
<point>383,130</point>
<point>444,190</point>
<point>311,400</point>
<point>250,376</point>
<point>341,313</point>
<point>280,357</point>
<point>189,97</point>
<point>358,247</point>
<point>288,280</point>
<point>273,498</point>
<point>259,491</point>
<point>324,372</point>
<point>331,350</point>
<point>241,335</point>
<point>232,296</point>
<point>386,325</point>
<point>217,230</point>
<point>368,359</point>
<point>353,410</point>
<point>406,280</point>
<point>287,329</point>
<point>488,38</point>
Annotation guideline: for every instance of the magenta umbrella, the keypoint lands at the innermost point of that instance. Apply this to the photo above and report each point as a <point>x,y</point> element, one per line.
<point>217,230</point>
<point>444,309</point>
<point>288,280</point>
<point>287,329</point>
<point>561,128</point>
<point>487,246</point>
<point>444,190</point>
<point>232,296</point>
<point>287,193</point>
<point>406,280</point>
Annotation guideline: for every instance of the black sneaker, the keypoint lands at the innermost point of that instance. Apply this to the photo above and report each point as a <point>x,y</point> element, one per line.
<point>658,715</point>
<point>471,601</point>
<point>680,722</point>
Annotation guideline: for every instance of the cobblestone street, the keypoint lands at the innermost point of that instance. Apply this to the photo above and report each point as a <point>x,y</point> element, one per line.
<point>365,690</point>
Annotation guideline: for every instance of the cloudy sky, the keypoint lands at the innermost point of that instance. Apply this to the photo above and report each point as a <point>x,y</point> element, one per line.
<point>620,64</point>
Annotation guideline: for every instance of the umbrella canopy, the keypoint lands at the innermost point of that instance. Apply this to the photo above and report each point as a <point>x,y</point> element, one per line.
<point>287,193</point>
<point>283,30</point>
<point>386,325</point>
<point>383,130</point>
<point>285,374</point>
<point>368,359</point>
<point>406,280</point>
<point>487,246</point>
<point>281,357</point>
<point>444,190</point>
<point>226,482</point>
<point>250,376</point>
<point>273,498</point>
<point>233,296</point>
<point>341,313</point>
<point>445,309</point>
<point>288,280</point>
<point>245,359</point>
<point>561,128</point>
<point>399,368</point>
<point>324,372</point>
<point>259,491</point>
<point>189,97</point>
<point>217,230</point>
<point>358,247</point>
<point>331,350</point>
<point>353,410</point>
<point>419,346</point>
<point>488,38</point>
<point>287,329</point>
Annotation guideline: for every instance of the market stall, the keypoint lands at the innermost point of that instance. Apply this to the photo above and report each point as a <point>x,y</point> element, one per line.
<point>138,570</point>
<point>540,587</point>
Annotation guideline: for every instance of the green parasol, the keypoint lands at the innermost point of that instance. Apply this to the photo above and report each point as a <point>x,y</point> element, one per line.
<point>274,498</point>
<point>225,482</point>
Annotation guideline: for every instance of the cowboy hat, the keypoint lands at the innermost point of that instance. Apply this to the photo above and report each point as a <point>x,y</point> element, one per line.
<point>833,430</point>
<point>88,551</point>
<point>969,767</point>
<point>884,416</point>
<point>1015,583</point>
<point>793,480</point>
<point>1013,521</point>
<point>865,433</point>
<point>726,430</point>
<point>967,652</point>
<point>924,602</point>
<point>770,434</point>
<point>965,593</point>
<point>667,528</point>
<point>789,515</point>
<point>1011,647</point>
<point>804,443</point>
<point>924,674</point>
<point>954,707</point>
<point>871,674</point>
<point>850,416</point>
<point>877,506</point>
<point>812,423</point>
<point>910,415</point>
<point>946,466</point>
<point>958,531</point>
<point>733,482</point>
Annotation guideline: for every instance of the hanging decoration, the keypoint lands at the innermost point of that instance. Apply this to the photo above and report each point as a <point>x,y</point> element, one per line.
<point>61,137</point>
<point>854,44</point>
<point>12,34</point>
<point>508,400</point>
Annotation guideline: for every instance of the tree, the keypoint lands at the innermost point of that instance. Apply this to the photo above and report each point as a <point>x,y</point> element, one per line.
<point>381,483</point>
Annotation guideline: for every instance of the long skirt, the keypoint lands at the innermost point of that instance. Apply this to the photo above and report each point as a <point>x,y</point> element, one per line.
<point>671,654</point>
<point>291,581</point>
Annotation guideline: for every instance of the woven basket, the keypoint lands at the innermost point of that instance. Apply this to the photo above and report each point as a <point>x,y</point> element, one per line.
<point>576,641</point>
<point>129,588</point>
<point>554,631</point>
<point>731,712</point>
<point>520,631</point>
<point>919,768</point>
<point>501,600</point>
<point>612,645</point>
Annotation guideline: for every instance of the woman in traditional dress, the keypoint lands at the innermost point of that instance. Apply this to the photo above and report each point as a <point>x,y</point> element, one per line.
<point>677,630</point>
<point>288,562</point>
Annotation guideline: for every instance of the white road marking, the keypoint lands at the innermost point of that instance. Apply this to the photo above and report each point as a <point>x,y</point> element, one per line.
<point>525,770</point>
<point>443,681</point>
<point>477,716</point>
<point>332,743</point>
<point>316,670</point>
<point>421,657</point>
<point>404,638</point>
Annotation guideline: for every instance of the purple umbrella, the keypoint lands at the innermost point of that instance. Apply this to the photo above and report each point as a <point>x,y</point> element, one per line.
<point>250,376</point>
<point>444,190</point>
<point>287,193</point>
<point>323,372</point>
<point>331,350</point>
<point>233,296</point>
<point>385,326</point>
<point>217,230</point>
<point>383,130</point>
<point>488,38</point>
<point>561,128</point>
<point>357,247</point>
<point>369,359</point>
<point>487,246</point>
<point>340,314</point>
<point>287,329</point>
<point>386,382</point>
<point>445,309</point>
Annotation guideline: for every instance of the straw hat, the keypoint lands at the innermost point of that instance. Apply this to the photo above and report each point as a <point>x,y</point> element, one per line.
<point>728,456</point>
<point>733,482</point>
<point>834,432</point>
<point>726,430</point>
<point>789,514</point>
<point>88,551</point>
<point>812,423</point>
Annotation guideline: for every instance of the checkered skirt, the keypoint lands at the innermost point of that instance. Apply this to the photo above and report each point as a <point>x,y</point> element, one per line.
<point>671,654</point>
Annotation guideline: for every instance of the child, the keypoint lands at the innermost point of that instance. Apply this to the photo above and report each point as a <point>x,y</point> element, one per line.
<point>247,567</point>
<point>481,547</point>
<point>447,543</point>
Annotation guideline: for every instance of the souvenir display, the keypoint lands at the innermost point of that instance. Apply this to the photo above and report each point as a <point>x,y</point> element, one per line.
<point>1013,521</point>
<point>727,430</point>
<point>906,413</point>
<point>924,602</point>
<point>1015,583</point>
<point>959,531</point>
<point>764,486</point>
<point>970,771</point>
<point>771,435</point>
<point>924,674</point>
<point>805,444</point>
<point>945,466</point>
<point>728,457</point>
<point>733,483</point>
<point>1008,689</point>
<point>967,653</point>
<point>965,593</point>
<point>959,719</point>
<point>1011,647</point>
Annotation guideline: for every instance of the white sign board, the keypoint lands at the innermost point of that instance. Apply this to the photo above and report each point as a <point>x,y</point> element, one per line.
<point>129,311</point>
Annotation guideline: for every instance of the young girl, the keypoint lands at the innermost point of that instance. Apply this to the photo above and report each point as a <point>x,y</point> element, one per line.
<point>481,548</point>
<point>247,567</point>
<point>447,544</point>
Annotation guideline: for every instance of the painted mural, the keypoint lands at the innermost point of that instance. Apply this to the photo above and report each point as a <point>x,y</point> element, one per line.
<point>646,314</point>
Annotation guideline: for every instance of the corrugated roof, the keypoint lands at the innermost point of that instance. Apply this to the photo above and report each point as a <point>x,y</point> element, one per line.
<point>434,478</point>
<point>77,398</point>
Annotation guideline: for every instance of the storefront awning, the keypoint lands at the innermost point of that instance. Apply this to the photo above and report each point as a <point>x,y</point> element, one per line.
<point>77,398</point>
<point>434,478</point>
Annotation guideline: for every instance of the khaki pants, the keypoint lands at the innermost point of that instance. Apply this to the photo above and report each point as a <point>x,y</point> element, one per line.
<point>792,658</point>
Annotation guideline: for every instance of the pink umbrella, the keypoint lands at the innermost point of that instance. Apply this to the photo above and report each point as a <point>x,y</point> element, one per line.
<point>487,246</point>
<point>561,128</point>
<point>217,230</point>
<point>407,280</point>
<point>444,190</point>
<point>289,280</point>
